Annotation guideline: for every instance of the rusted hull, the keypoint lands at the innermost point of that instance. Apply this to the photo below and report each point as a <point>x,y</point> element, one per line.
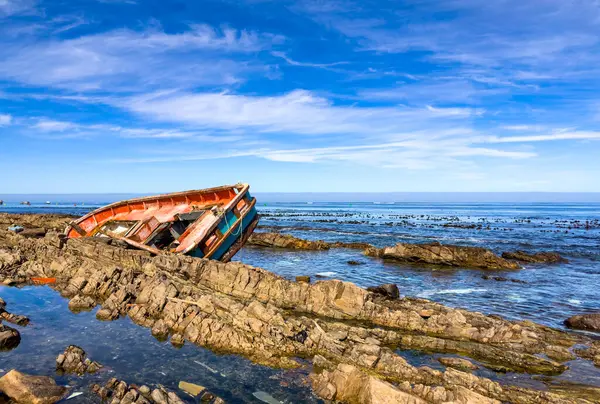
<point>210,223</point>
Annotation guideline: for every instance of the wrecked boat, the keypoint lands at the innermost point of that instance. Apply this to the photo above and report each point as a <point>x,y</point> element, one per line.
<point>208,223</point>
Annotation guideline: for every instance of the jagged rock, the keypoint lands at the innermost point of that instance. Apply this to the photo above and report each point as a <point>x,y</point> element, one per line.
<point>502,279</point>
<point>536,258</point>
<point>447,255</point>
<point>177,340</point>
<point>458,363</point>
<point>2,303</point>
<point>278,240</point>
<point>24,388</point>
<point>388,290</point>
<point>303,278</point>
<point>13,318</point>
<point>589,322</point>
<point>348,384</point>
<point>9,338</point>
<point>81,303</point>
<point>353,262</point>
<point>74,360</point>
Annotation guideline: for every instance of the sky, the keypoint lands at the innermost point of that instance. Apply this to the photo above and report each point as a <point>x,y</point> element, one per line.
<point>137,96</point>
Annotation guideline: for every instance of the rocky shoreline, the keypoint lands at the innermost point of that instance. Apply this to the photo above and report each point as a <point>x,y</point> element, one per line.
<point>349,334</point>
<point>426,253</point>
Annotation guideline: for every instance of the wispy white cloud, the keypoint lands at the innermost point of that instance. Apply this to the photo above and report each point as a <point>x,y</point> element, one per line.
<point>5,119</point>
<point>293,62</point>
<point>15,7</point>
<point>126,59</point>
<point>577,135</point>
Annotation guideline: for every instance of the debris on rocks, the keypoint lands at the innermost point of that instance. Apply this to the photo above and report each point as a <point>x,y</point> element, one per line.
<point>74,360</point>
<point>537,258</point>
<point>24,388</point>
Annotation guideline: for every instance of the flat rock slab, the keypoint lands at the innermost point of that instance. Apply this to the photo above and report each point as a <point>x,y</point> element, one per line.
<point>589,322</point>
<point>24,388</point>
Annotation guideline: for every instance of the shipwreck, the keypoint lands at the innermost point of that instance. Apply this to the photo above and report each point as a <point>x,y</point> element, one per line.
<point>208,223</point>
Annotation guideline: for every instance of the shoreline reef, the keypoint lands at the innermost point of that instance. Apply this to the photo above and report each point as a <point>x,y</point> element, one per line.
<point>350,336</point>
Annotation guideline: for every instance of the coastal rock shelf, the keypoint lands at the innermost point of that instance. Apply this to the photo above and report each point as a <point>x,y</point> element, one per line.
<point>351,334</point>
<point>430,253</point>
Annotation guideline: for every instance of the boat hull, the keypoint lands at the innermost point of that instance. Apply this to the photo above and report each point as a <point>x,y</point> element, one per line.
<point>211,223</point>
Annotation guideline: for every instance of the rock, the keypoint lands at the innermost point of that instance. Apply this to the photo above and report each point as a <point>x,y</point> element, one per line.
<point>24,388</point>
<point>588,322</point>
<point>501,279</point>
<point>2,303</point>
<point>74,360</point>
<point>191,388</point>
<point>33,232</point>
<point>160,330</point>
<point>348,384</point>
<point>145,391</point>
<point>458,363</point>
<point>159,396</point>
<point>388,290</point>
<point>177,340</point>
<point>353,262</point>
<point>447,255</point>
<point>277,240</point>
<point>537,258</point>
<point>81,303</point>
<point>303,278</point>
<point>9,338</point>
<point>13,318</point>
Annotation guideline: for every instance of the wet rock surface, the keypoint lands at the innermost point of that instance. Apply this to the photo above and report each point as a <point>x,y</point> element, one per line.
<point>278,240</point>
<point>27,389</point>
<point>445,255</point>
<point>458,363</point>
<point>74,360</point>
<point>536,258</point>
<point>590,322</point>
<point>388,290</point>
<point>9,338</point>
<point>239,309</point>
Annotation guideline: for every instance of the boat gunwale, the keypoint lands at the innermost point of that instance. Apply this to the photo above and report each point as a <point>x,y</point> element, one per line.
<point>244,188</point>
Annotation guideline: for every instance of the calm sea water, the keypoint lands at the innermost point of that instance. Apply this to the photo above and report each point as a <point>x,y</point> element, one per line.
<point>549,294</point>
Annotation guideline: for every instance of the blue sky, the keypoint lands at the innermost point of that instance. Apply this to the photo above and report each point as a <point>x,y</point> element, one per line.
<point>311,96</point>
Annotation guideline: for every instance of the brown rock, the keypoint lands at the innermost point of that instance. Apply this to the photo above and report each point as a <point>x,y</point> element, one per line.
<point>589,322</point>
<point>536,258</point>
<point>9,338</point>
<point>303,278</point>
<point>277,240</point>
<point>447,255</point>
<point>33,232</point>
<point>81,303</point>
<point>388,290</point>
<point>458,363</point>
<point>31,389</point>
<point>74,360</point>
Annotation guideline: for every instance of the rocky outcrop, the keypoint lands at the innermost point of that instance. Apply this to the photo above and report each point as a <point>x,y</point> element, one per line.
<point>588,322</point>
<point>458,363</point>
<point>239,309</point>
<point>9,338</point>
<point>278,240</point>
<point>119,392</point>
<point>28,389</point>
<point>388,290</point>
<point>536,258</point>
<point>445,255</point>
<point>10,317</point>
<point>74,360</point>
